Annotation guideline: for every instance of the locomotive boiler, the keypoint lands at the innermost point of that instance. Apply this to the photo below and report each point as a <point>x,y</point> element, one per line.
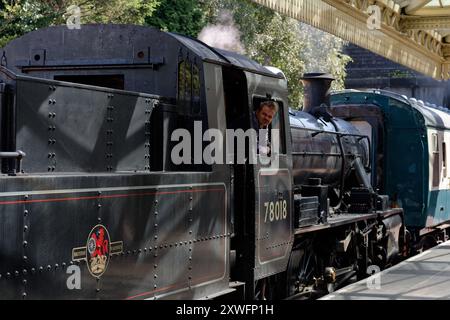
<point>325,148</point>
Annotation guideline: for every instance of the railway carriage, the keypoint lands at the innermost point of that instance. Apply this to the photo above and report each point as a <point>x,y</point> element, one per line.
<point>410,141</point>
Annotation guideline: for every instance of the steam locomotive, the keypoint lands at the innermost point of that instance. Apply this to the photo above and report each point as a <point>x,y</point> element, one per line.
<point>88,187</point>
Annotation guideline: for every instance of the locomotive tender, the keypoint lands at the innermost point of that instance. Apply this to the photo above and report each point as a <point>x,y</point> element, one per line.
<point>87,179</point>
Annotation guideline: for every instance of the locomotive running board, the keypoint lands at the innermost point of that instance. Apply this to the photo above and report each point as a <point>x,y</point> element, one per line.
<point>343,219</point>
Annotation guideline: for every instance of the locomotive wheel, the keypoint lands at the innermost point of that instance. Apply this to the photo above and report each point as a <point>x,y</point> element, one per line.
<point>307,269</point>
<point>302,269</point>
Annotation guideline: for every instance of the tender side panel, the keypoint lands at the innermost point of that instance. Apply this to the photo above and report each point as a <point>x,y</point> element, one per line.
<point>166,241</point>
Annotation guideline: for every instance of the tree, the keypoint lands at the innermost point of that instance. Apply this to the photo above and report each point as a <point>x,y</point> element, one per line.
<point>181,16</point>
<point>280,46</point>
<point>21,16</point>
<point>119,11</point>
<point>323,53</point>
<point>251,18</point>
<point>273,39</point>
<point>267,37</point>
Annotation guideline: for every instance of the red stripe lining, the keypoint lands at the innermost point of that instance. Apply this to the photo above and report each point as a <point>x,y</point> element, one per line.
<point>108,196</point>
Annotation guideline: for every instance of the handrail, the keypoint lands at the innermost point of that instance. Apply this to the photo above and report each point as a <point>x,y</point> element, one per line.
<point>18,155</point>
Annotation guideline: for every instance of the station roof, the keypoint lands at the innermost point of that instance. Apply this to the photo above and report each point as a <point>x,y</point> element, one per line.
<point>426,7</point>
<point>414,33</point>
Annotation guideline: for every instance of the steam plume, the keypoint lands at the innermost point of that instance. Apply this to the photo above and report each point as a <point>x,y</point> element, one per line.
<point>223,35</point>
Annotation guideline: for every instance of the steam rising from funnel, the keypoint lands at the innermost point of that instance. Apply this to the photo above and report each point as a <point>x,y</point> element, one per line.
<point>223,35</point>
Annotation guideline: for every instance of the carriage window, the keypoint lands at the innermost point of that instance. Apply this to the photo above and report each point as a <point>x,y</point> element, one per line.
<point>444,159</point>
<point>435,143</point>
<point>436,161</point>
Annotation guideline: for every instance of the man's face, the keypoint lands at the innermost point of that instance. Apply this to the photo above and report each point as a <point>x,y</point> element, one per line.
<point>265,116</point>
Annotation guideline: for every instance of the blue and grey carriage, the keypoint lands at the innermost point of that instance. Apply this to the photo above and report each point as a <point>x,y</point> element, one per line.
<point>409,141</point>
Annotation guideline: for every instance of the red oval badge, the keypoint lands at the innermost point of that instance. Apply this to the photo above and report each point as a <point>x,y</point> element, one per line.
<point>98,250</point>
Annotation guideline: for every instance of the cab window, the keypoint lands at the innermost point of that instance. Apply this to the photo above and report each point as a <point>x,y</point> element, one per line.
<point>277,122</point>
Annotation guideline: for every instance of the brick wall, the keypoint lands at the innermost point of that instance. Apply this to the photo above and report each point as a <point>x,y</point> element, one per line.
<point>369,70</point>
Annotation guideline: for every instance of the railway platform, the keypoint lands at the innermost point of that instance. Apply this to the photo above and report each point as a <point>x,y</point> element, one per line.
<point>423,277</point>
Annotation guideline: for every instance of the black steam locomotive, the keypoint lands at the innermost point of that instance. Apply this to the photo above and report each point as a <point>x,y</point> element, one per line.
<point>89,190</point>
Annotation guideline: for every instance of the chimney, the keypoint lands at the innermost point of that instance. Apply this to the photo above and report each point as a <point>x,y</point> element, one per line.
<point>317,90</point>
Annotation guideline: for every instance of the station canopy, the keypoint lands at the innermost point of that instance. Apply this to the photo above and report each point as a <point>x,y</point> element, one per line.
<point>414,33</point>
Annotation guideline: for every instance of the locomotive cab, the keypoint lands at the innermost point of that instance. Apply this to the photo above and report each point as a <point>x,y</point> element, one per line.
<point>262,190</point>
